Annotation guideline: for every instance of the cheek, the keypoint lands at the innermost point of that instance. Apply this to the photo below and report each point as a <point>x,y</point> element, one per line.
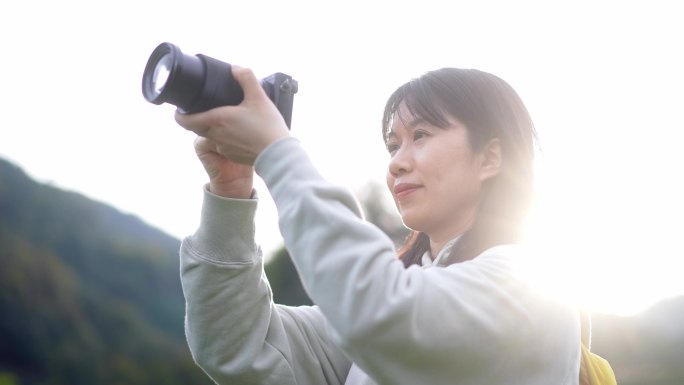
<point>465,185</point>
<point>456,181</point>
<point>390,185</point>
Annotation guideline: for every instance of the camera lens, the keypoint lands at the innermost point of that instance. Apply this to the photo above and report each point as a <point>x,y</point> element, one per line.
<point>161,73</point>
<point>172,77</point>
<point>192,83</point>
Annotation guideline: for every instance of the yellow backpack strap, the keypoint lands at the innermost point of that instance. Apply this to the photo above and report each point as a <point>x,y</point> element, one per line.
<point>585,327</point>
<point>594,369</point>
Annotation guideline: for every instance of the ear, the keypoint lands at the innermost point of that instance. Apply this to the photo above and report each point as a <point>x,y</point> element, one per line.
<point>490,165</point>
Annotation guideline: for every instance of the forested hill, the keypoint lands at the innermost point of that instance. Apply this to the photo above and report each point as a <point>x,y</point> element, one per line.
<point>88,295</point>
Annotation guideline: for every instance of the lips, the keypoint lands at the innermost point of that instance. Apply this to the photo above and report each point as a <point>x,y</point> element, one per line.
<point>402,190</point>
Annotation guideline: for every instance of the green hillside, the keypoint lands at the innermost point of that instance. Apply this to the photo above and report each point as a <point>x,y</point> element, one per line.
<point>88,295</point>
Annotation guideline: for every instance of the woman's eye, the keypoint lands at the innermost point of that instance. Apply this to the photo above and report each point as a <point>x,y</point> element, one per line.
<point>419,135</point>
<point>392,148</point>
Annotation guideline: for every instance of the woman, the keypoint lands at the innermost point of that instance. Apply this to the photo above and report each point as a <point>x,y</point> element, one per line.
<point>451,310</point>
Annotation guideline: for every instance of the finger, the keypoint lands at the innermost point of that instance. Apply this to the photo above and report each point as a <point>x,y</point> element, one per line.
<point>203,144</point>
<point>199,123</point>
<point>251,86</point>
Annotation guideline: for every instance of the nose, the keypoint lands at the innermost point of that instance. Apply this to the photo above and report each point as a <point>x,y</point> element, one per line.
<point>400,163</point>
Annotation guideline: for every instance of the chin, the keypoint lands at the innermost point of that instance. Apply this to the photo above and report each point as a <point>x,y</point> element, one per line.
<point>412,222</point>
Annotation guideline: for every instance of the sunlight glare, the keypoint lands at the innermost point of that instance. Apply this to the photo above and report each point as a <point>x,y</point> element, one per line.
<point>606,250</point>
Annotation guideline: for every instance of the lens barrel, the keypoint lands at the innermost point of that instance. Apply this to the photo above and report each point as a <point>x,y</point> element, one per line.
<point>193,83</point>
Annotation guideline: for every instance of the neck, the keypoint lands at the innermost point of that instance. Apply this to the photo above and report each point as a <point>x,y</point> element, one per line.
<point>438,239</point>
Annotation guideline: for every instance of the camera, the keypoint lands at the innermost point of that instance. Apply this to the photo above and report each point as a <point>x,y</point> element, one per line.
<point>199,83</point>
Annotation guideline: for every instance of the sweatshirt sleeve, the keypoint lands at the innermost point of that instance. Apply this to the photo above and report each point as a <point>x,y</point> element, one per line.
<point>408,326</point>
<point>235,332</point>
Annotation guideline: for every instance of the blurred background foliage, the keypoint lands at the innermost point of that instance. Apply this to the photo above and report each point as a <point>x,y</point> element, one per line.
<point>89,295</point>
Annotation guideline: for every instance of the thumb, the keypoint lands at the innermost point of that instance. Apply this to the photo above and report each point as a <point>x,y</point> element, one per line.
<point>251,86</point>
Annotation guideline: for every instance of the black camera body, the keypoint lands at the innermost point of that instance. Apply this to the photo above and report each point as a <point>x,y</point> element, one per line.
<point>199,83</point>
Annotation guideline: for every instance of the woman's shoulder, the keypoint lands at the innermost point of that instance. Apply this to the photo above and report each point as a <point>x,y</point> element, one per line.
<point>538,276</point>
<point>506,259</point>
<point>505,251</point>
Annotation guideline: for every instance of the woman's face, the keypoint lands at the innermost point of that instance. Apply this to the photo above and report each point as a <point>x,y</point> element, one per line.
<point>434,175</point>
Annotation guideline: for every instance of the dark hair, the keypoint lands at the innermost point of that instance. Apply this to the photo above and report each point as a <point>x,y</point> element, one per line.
<point>489,108</point>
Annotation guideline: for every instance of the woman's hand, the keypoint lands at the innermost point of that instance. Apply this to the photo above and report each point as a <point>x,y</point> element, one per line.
<point>226,178</point>
<point>240,132</point>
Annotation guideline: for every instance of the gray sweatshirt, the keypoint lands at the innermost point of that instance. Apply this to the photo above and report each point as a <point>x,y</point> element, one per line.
<point>375,321</point>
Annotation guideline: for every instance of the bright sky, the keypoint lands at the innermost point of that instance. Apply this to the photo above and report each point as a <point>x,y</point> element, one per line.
<point>603,81</point>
